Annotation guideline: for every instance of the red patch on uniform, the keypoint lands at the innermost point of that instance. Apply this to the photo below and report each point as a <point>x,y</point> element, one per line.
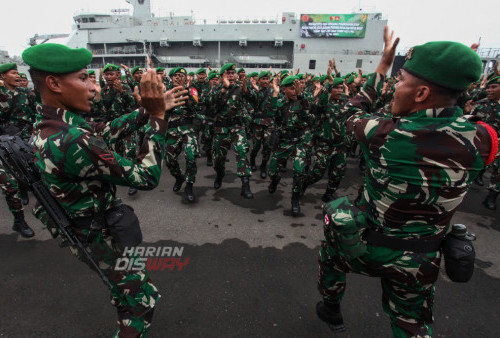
<point>327,220</point>
<point>108,157</point>
<point>194,94</point>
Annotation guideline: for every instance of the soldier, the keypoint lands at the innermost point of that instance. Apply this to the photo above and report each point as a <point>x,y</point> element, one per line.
<point>116,95</point>
<point>82,171</point>
<point>207,136</point>
<point>229,104</point>
<point>10,105</point>
<point>292,117</point>
<point>488,109</point>
<point>329,135</point>
<point>23,82</point>
<point>201,82</point>
<point>181,133</point>
<point>420,165</point>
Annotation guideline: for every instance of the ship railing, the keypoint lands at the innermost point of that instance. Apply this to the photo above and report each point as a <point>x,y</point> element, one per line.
<point>120,50</point>
<point>489,53</point>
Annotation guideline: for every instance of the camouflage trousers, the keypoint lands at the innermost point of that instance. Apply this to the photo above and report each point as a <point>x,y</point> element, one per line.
<point>407,279</point>
<point>9,187</point>
<point>223,139</point>
<point>331,157</point>
<point>260,138</point>
<point>495,175</point>
<point>297,150</point>
<point>207,137</point>
<point>175,142</point>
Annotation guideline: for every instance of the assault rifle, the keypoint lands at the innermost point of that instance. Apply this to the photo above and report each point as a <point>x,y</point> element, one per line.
<point>18,159</point>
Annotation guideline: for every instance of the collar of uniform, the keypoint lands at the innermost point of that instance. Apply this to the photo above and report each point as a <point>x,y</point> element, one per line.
<point>435,113</point>
<point>66,116</point>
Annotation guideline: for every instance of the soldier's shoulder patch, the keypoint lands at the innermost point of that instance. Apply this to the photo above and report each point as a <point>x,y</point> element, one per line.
<point>97,142</point>
<point>107,157</point>
<point>194,94</point>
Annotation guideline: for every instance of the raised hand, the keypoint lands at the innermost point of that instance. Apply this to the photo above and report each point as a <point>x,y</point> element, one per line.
<point>153,98</point>
<point>389,51</point>
<point>175,97</point>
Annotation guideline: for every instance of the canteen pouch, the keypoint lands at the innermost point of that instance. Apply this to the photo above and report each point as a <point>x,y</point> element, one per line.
<point>275,139</point>
<point>344,225</point>
<point>459,256</point>
<point>123,226</point>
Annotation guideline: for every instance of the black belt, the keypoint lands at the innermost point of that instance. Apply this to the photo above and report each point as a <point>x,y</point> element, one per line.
<point>229,122</point>
<point>178,123</point>
<point>330,142</point>
<point>295,134</point>
<point>416,245</point>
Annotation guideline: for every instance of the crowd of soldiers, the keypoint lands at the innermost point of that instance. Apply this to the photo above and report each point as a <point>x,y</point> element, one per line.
<point>284,115</point>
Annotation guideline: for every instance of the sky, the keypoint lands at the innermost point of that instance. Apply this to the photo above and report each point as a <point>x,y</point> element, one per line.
<point>415,22</point>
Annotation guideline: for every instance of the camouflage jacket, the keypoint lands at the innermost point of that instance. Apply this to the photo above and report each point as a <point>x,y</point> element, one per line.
<point>201,87</point>
<point>261,101</point>
<point>329,125</point>
<point>420,166</point>
<point>488,111</point>
<point>18,108</point>
<point>229,105</point>
<point>115,104</point>
<point>292,116</point>
<point>182,118</point>
<point>78,164</point>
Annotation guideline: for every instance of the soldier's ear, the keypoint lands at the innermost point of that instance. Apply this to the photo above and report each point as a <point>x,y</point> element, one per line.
<point>53,83</point>
<point>423,92</point>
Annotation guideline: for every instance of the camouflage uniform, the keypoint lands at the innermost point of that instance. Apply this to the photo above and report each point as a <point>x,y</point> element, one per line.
<point>329,146</point>
<point>229,128</point>
<point>80,170</point>
<point>207,135</point>
<point>410,192</point>
<point>292,118</point>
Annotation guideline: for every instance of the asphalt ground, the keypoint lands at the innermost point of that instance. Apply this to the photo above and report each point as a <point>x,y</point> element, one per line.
<point>251,272</point>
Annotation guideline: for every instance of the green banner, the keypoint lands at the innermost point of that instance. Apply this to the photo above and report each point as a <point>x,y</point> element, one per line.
<point>333,25</point>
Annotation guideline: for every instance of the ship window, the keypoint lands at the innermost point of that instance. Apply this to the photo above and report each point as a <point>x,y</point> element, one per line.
<point>84,20</point>
<point>359,63</point>
<point>312,64</point>
<point>91,19</point>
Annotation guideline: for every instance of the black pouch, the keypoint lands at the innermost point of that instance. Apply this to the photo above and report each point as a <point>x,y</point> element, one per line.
<point>459,256</point>
<point>10,130</point>
<point>123,226</point>
<point>275,139</point>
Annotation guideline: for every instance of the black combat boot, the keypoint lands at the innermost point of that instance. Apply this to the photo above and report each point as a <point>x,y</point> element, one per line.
<point>210,161</point>
<point>21,226</point>
<point>295,203</point>
<point>189,192</point>
<point>132,191</point>
<point>24,197</point>
<point>245,187</point>
<point>491,200</point>
<point>328,195</point>
<point>263,173</point>
<point>252,164</point>
<point>329,312</point>
<point>273,185</point>
<point>218,179</point>
<point>479,179</point>
<point>179,179</point>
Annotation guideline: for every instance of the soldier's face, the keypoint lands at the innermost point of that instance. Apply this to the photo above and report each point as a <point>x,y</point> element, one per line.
<point>138,76</point>
<point>264,82</point>
<point>11,78</point>
<point>201,77</point>
<point>75,91</point>
<point>493,91</point>
<point>241,75</point>
<point>111,76</point>
<point>92,78</point>
<point>179,79</point>
<point>302,83</point>
<point>405,93</point>
<point>290,92</point>
<point>337,91</point>
<point>23,83</point>
<point>231,76</point>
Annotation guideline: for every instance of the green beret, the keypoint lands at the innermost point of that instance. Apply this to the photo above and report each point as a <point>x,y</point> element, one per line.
<point>212,75</point>
<point>263,74</point>
<point>322,78</point>
<point>253,74</point>
<point>444,63</point>
<point>123,77</point>
<point>22,76</point>
<point>110,67</point>
<point>301,76</point>
<point>178,70</point>
<point>240,70</point>
<point>490,75</point>
<point>7,66</point>
<point>350,79</point>
<point>214,71</point>
<point>315,78</point>
<point>496,79</point>
<point>284,71</point>
<point>289,81</point>
<point>284,76</point>
<point>160,69</point>
<point>171,71</point>
<point>136,69</point>
<point>227,66</point>
<point>56,58</point>
<point>91,71</point>
<point>201,70</point>
<point>337,81</point>
<point>191,73</point>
